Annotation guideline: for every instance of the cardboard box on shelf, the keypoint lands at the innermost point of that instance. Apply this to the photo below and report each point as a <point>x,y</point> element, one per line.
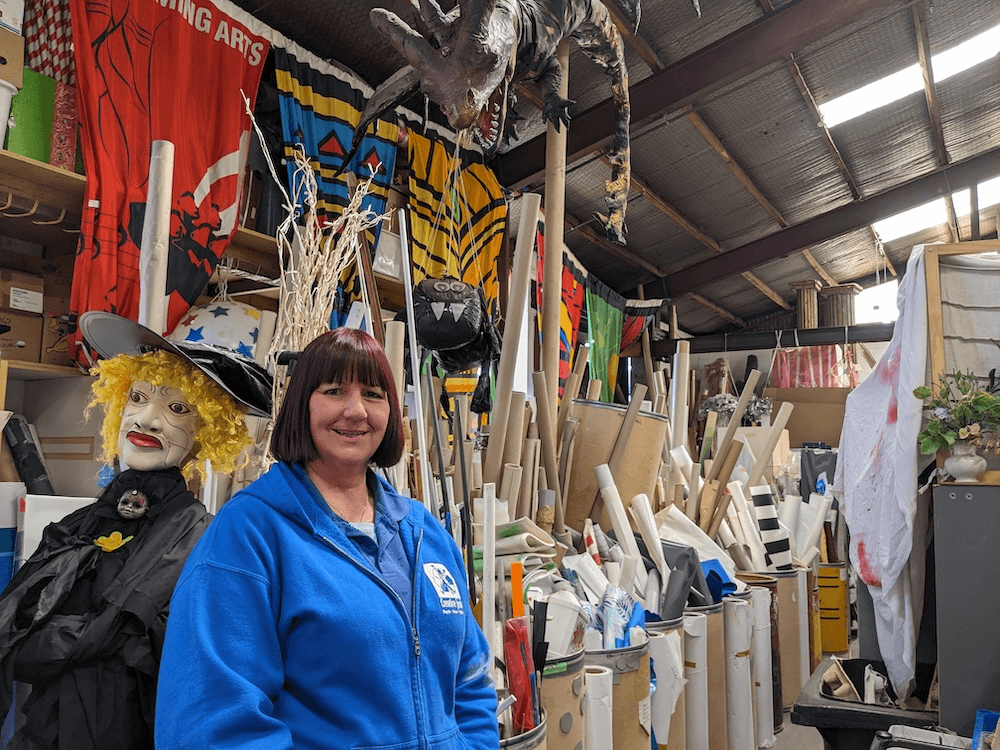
<point>818,416</point>
<point>11,56</point>
<point>57,292</point>
<point>54,346</point>
<point>12,15</point>
<point>21,291</point>
<point>23,341</point>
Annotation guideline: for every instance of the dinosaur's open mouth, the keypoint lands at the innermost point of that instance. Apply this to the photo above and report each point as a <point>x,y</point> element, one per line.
<point>490,123</point>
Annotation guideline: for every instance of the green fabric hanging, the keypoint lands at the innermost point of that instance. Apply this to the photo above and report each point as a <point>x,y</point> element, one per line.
<point>604,332</point>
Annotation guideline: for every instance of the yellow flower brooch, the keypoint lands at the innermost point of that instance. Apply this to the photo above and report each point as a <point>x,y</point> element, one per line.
<point>112,541</point>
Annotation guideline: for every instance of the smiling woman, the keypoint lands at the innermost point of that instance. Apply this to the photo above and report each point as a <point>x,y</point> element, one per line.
<point>321,550</point>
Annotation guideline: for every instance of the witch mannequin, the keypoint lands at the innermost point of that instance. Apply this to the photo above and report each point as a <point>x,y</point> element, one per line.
<point>82,621</point>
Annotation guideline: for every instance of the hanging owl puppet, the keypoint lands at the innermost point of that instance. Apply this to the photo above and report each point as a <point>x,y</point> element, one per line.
<point>83,619</point>
<point>451,319</point>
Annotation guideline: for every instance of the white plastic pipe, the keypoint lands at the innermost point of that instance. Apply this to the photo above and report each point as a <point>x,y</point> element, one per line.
<point>623,530</point>
<point>679,394</point>
<point>153,248</point>
<point>696,673</point>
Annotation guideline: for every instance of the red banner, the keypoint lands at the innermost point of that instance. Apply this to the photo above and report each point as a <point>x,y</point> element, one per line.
<point>151,70</point>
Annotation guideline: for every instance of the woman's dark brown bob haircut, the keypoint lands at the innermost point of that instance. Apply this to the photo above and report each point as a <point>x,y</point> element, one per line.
<point>340,356</point>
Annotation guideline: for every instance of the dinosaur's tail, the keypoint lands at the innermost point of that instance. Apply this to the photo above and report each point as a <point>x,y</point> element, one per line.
<point>600,40</point>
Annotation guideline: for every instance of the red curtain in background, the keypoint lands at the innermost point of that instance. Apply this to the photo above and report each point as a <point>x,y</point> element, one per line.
<point>152,70</point>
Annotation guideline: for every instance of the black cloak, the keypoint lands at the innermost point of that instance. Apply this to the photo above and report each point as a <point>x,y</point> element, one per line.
<point>85,626</point>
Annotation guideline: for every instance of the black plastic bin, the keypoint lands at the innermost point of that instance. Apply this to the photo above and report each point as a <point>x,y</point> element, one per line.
<point>845,725</point>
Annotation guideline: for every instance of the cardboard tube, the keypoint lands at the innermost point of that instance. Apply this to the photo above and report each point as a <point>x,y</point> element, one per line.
<point>529,473</point>
<point>594,390</point>
<point>513,443</point>
<point>510,487</point>
<point>738,615</point>
<point>678,394</point>
<point>520,279</point>
<point>696,673</point>
<point>789,635</point>
<point>773,435</point>
<point>734,422</point>
<point>153,250</point>
<point>547,435</point>
<point>600,708</point>
<point>805,625</point>
<point>572,387</point>
<point>760,663</point>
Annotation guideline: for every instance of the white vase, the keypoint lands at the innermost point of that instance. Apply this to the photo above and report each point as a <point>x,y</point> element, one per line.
<point>964,464</point>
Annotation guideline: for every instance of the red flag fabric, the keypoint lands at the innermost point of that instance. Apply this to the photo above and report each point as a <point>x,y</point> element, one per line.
<point>152,70</point>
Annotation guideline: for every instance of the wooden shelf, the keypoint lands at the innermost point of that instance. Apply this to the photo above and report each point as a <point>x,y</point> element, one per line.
<point>16,370</point>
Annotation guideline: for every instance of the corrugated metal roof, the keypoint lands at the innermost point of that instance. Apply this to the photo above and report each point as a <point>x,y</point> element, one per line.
<point>765,125</point>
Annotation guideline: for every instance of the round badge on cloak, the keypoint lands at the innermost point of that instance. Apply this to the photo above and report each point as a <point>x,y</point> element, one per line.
<point>240,376</point>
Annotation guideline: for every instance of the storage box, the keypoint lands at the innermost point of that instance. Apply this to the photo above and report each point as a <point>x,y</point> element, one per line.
<point>21,291</point>
<point>12,15</point>
<point>57,293</point>
<point>818,416</point>
<point>35,513</point>
<point>11,56</point>
<point>24,339</point>
<point>55,346</point>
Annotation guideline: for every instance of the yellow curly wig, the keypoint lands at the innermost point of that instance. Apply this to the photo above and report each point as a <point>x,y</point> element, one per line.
<point>222,434</point>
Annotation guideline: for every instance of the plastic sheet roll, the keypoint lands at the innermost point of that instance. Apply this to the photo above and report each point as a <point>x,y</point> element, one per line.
<point>696,673</point>
<point>738,615</point>
<point>666,650</point>
<point>760,662</point>
<point>600,683</point>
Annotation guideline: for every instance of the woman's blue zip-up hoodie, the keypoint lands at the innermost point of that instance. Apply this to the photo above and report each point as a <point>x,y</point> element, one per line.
<point>281,634</point>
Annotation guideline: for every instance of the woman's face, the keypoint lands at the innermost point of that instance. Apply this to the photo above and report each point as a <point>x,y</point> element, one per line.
<point>158,428</point>
<point>347,422</point>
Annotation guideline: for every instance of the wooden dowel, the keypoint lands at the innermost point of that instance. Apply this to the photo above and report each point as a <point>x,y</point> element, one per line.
<point>513,443</point>
<point>734,422</point>
<point>594,389</point>
<point>523,256</point>
<point>773,435</point>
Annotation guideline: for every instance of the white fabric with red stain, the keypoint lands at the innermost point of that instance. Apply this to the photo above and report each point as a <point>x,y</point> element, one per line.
<point>876,479</point>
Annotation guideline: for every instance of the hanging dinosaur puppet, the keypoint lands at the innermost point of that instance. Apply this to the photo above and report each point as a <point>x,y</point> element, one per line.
<point>467,61</point>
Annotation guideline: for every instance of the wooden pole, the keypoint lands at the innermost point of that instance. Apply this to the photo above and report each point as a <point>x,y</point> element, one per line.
<point>734,422</point>
<point>647,355</point>
<point>523,254</point>
<point>555,211</point>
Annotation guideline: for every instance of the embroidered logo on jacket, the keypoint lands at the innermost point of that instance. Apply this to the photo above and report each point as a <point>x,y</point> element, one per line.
<point>446,587</point>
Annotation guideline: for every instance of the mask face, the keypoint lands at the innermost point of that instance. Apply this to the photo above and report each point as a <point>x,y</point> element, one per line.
<point>158,428</point>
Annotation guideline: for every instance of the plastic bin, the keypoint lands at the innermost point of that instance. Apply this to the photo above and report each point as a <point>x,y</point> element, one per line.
<point>845,725</point>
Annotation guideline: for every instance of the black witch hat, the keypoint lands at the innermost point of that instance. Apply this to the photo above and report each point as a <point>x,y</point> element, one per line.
<point>241,377</point>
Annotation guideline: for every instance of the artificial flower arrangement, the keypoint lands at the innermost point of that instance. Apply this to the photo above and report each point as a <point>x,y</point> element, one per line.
<point>960,410</point>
